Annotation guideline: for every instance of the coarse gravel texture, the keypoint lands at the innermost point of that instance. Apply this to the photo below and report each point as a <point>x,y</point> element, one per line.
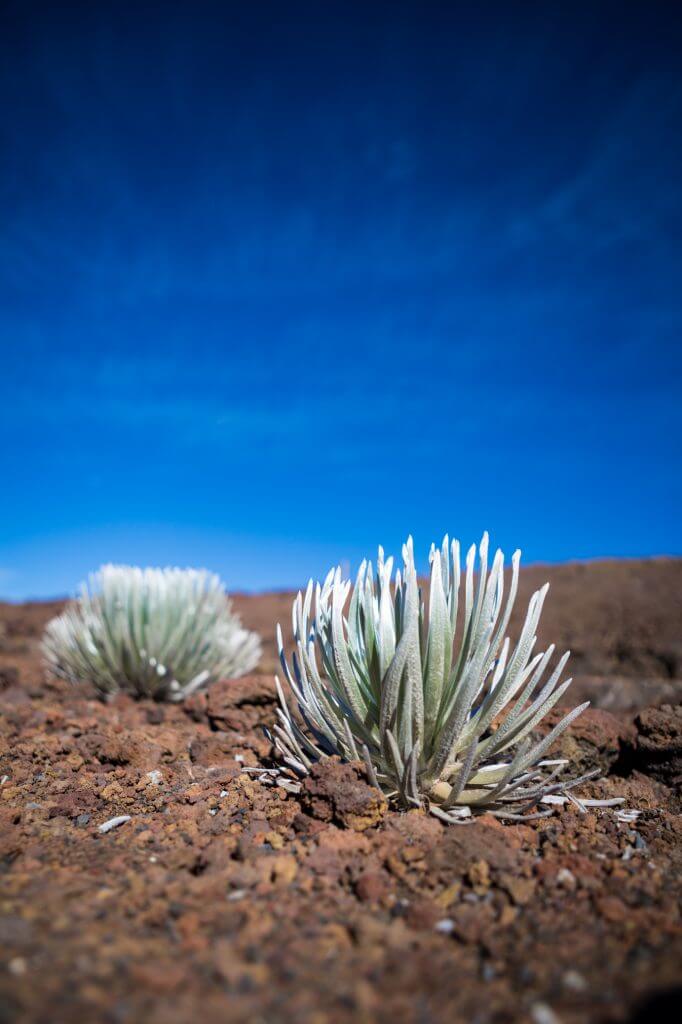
<point>219,896</point>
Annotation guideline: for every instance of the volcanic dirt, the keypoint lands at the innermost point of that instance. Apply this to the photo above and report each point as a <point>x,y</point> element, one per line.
<point>223,897</point>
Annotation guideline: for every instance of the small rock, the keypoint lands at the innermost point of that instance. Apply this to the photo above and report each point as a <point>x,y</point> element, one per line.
<point>112,792</point>
<point>371,887</point>
<point>519,889</point>
<point>574,981</point>
<point>460,850</point>
<point>400,908</point>
<point>479,876</point>
<point>657,750</point>
<point>471,922</point>
<point>508,915</point>
<point>339,793</point>
<point>595,741</point>
<point>211,750</point>
<point>284,868</point>
<point>82,820</point>
<point>613,909</point>
<point>541,1013</point>
<point>449,895</point>
<point>446,926</point>
<point>422,914</point>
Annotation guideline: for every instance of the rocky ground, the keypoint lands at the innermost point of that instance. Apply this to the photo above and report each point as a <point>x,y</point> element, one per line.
<point>225,898</point>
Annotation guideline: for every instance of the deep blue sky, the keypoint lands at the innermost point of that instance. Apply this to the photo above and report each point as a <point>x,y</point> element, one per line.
<point>279,282</point>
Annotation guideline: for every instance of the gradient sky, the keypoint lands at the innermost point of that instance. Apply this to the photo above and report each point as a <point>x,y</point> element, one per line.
<point>279,282</point>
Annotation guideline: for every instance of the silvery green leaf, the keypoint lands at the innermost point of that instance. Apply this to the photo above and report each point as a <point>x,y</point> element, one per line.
<point>438,649</point>
<point>415,690</point>
<point>160,633</point>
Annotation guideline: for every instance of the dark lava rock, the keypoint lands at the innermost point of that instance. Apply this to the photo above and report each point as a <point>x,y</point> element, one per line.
<point>339,793</point>
<point>596,740</point>
<point>463,846</point>
<point>657,750</point>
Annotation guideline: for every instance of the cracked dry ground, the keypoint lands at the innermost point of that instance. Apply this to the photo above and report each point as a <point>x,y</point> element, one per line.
<point>225,899</point>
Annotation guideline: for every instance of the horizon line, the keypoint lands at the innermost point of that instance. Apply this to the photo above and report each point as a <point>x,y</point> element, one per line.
<point>294,588</point>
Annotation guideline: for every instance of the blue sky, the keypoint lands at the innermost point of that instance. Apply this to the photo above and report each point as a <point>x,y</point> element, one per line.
<point>280,282</point>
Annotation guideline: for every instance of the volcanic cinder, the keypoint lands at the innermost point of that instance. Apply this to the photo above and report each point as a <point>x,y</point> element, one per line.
<point>220,896</point>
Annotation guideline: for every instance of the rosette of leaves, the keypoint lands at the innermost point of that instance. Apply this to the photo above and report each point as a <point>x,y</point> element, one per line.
<point>161,633</point>
<point>437,701</point>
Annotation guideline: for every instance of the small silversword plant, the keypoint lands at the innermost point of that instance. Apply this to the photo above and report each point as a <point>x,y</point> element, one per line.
<point>439,704</point>
<point>161,633</point>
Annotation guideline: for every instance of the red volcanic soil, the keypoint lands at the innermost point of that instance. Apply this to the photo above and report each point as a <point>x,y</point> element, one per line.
<point>223,898</point>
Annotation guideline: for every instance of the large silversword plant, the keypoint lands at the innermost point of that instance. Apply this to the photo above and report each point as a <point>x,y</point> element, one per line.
<point>161,633</point>
<point>439,704</point>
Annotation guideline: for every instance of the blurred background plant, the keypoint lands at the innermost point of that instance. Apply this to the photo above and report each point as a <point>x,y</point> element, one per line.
<point>161,633</point>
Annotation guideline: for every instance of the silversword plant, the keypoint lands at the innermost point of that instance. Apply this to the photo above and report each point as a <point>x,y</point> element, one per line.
<point>439,703</point>
<point>161,633</point>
